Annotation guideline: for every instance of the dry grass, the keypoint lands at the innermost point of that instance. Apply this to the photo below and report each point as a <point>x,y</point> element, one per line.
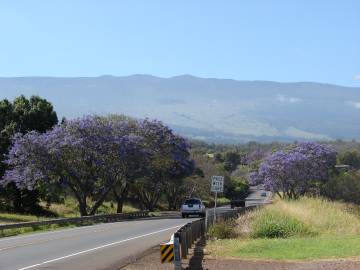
<point>70,208</point>
<point>14,218</point>
<point>321,215</point>
<point>308,228</point>
<point>324,216</point>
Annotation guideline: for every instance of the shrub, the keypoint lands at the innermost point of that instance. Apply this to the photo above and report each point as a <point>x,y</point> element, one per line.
<point>223,229</point>
<point>324,216</point>
<point>345,186</point>
<point>273,224</point>
<point>304,217</point>
<point>222,201</point>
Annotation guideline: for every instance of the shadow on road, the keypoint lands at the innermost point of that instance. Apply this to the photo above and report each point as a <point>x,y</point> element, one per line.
<point>198,255</point>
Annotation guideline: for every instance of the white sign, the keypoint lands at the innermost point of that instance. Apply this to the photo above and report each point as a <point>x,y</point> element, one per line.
<point>217,183</point>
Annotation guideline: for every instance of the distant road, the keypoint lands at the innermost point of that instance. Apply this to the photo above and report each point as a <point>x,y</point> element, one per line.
<point>103,246</point>
<point>256,198</point>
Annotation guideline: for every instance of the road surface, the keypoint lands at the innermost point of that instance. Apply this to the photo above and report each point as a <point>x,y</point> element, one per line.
<point>102,246</point>
<point>256,198</point>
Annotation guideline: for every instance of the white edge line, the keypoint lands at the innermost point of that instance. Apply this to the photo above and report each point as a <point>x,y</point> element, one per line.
<point>40,233</point>
<point>60,230</point>
<point>96,248</point>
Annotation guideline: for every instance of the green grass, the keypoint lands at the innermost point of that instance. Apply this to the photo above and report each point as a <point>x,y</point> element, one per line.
<point>274,224</point>
<point>53,227</point>
<point>309,248</point>
<point>14,218</point>
<point>303,217</point>
<point>304,229</point>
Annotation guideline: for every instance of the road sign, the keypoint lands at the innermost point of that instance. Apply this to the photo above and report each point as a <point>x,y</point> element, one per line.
<point>217,183</point>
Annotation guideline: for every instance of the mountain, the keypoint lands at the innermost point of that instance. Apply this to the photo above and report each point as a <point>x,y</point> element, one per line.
<point>217,110</point>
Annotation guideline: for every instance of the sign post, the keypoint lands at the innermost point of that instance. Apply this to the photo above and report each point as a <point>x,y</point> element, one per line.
<point>217,185</point>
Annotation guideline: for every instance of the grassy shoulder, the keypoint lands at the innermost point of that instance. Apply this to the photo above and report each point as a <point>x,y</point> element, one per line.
<point>305,229</point>
<point>66,210</point>
<point>70,208</point>
<point>305,248</point>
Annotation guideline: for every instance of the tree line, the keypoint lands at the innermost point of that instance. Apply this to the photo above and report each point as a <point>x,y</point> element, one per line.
<point>294,169</point>
<point>121,159</point>
<point>92,158</point>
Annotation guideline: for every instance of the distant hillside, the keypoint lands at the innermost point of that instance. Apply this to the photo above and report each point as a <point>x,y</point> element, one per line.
<point>218,110</point>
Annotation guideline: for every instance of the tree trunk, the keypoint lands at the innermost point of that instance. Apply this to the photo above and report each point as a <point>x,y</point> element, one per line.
<point>120,204</point>
<point>170,198</point>
<point>83,208</point>
<point>99,201</point>
<point>120,198</point>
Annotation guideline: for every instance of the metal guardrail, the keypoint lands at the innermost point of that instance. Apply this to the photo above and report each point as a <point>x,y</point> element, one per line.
<point>187,235</point>
<point>77,220</point>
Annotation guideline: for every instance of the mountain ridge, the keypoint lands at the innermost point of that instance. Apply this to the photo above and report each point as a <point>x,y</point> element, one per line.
<point>232,110</point>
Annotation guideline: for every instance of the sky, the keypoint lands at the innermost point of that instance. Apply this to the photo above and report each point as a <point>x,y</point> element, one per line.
<point>286,41</point>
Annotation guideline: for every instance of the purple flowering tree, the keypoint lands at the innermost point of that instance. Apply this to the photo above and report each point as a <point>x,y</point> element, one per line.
<point>168,164</point>
<point>292,173</point>
<point>89,155</point>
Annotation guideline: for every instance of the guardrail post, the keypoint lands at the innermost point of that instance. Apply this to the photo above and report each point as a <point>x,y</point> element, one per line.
<point>198,223</point>
<point>203,228</point>
<point>183,244</point>
<point>188,234</point>
<point>206,220</point>
<point>196,230</point>
<point>177,258</point>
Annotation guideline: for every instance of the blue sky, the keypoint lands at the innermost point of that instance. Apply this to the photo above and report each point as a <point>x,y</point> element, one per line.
<point>302,40</point>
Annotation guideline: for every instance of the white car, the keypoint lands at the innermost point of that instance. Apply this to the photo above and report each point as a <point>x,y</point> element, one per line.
<point>193,206</point>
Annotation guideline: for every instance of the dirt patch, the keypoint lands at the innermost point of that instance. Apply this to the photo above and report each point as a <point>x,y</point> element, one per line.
<point>149,261</point>
<point>199,259</point>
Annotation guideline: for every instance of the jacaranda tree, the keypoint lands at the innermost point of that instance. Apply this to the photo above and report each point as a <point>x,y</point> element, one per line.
<point>89,155</point>
<point>292,173</point>
<point>170,161</point>
<point>94,156</point>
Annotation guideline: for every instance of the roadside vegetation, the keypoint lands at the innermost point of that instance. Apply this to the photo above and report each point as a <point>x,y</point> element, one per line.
<point>100,164</point>
<point>307,228</point>
<point>115,163</point>
<point>314,214</point>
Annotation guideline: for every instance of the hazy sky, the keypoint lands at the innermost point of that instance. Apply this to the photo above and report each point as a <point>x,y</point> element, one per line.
<point>247,40</point>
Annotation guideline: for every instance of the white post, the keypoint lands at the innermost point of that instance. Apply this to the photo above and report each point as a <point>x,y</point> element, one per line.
<point>215,207</point>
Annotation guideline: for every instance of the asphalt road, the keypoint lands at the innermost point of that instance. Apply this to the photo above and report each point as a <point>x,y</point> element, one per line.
<point>256,196</point>
<point>102,246</point>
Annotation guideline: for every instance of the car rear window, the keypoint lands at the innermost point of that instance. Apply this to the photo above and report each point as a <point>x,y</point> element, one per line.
<point>192,201</point>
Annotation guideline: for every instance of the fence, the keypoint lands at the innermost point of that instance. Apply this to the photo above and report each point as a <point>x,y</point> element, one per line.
<point>76,220</point>
<point>185,237</point>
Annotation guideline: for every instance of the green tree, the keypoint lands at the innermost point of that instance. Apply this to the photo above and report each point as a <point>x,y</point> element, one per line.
<point>21,116</point>
<point>344,186</point>
<point>231,161</point>
<point>236,188</point>
<point>351,158</point>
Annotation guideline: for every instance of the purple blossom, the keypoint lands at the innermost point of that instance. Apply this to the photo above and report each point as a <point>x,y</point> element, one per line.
<point>91,155</point>
<point>294,171</point>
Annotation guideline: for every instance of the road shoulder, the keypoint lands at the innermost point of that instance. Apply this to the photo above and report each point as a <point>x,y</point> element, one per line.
<point>200,259</point>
